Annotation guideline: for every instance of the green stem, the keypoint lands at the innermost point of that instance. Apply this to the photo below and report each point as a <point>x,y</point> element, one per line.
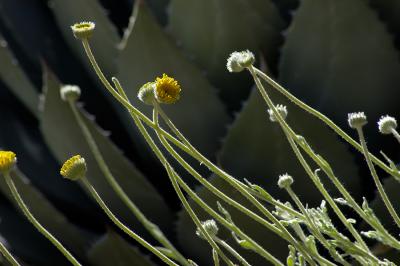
<point>7,254</point>
<point>305,165</point>
<point>215,257</point>
<point>152,228</point>
<point>378,183</point>
<point>325,119</point>
<point>36,223</point>
<point>395,134</point>
<point>192,214</point>
<point>279,229</point>
<point>123,227</point>
<point>314,228</point>
<point>232,251</point>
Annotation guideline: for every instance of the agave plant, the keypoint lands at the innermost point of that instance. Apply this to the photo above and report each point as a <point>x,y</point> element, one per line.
<point>337,55</point>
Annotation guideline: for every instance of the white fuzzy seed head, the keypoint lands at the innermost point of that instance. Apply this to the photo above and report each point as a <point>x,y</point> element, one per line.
<point>282,111</point>
<point>238,61</point>
<point>386,124</point>
<point>83,30</point>
<point>70,93</point>
<point>357,120</point>
<point>146,93</point>
<point>285,181</point>
<point>210,226</point>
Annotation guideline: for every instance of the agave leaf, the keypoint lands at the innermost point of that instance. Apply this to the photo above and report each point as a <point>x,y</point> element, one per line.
<point>201,251</point>
<point>389,11</point>
<point>346,68</point>
<point>146,52</point>
<point>111,249</point>
<point>258,150</point>
<point>103,42</point>
<point>16,80</point>
<point>25,241</point>
<point>22,136</point>
<point>63,135</point>
<point>73,238</point>
<point>212,29</point>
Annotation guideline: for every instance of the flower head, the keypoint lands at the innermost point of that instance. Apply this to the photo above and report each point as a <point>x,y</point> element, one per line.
<point>285,181</point>
<point>74,168</point>
<point>7,161</point>
<point>70,93</point>
<point>238,61</point>
<point>167,89</point>
<point>386,124</point>
<point>357,120</point>
<point>146,93</point>
<point>210,226</point>
<point>281,110</point>
<point>83,30</point>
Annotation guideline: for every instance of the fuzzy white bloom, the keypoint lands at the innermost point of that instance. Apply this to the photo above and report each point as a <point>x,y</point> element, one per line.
<point>285,181</point>
<point>70,93</point>
<point>386,124</point>
<point>83,30</point>
<point>357,120</point>
<point>238,61</point>
<point>282,111</point>
<point>210,226</point>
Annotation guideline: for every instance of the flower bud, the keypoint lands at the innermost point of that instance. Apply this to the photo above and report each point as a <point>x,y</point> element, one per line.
<point>238,61</point>
<point>386,124</point>
<point>8,159</point>
<point>70,93</point>
<point>210,226</point>
<point>282,111</point>
<point>357,120</point>
<point>285,181</point>
<point>74,168</point>
<point>146,93</point>
<point>83,30</point>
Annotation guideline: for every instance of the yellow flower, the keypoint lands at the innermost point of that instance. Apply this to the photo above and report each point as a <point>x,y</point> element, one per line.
<point>74,168</point>
<point>167,90</point>
<point>7,161</point>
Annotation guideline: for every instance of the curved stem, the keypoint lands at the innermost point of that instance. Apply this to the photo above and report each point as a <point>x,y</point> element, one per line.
<point>314,228</point>
<point>172,175</point>
<point>36,223</point>
<point>378,183</point>
<point>305,165</point>
<point>325,119</point>
<point>7,254</point>
<point>123,227</point>
<point>396,134</point>
<point>232,251</point>
<point>152,228</point>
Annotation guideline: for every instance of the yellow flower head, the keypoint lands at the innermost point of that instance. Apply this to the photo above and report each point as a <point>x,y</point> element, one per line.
<point>83,30</point>
<point>7,161</point>
<point>74,168</point>
<point>167,90</point>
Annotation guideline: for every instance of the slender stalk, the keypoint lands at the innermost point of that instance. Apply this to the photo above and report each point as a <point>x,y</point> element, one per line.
<point>325,119</point>
<point>395,134</point>
<point>315,231</point>
<point>231,250</point>
<point>7,254</point>
<point>36,223</point>
<point>193,215</point>
<point>284,233</point>
<point>305,165</point>
<point>152,228</point>
<point>123,227</point>
<point>378,183</point>
<point>193,195</point>
<point>215,257</point>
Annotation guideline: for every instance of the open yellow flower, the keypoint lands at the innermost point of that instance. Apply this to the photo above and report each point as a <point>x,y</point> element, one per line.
<point>7,161</point>
<point>167,89</point>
